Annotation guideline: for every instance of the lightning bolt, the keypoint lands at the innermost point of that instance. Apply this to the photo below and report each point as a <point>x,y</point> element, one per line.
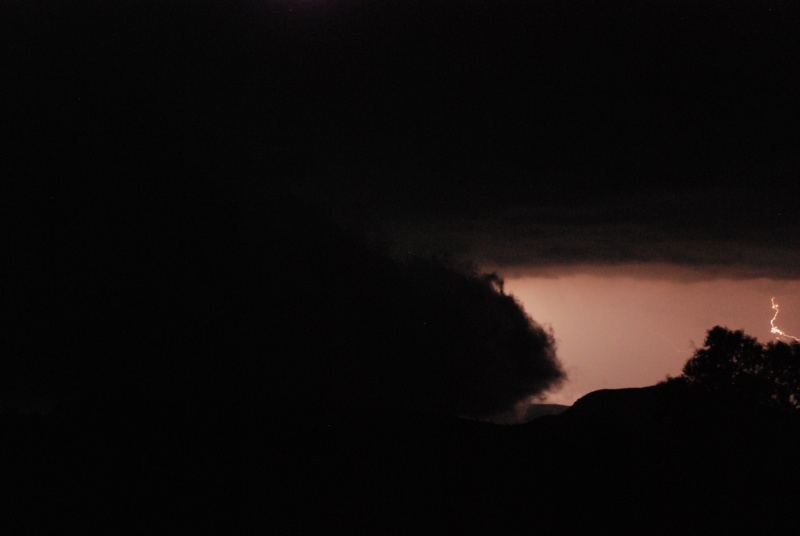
<point>775,329</point>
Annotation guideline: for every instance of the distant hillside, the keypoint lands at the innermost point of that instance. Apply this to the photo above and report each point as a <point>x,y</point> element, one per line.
<point>535,411</point>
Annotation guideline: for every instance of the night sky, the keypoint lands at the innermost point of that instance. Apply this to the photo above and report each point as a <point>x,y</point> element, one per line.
<point>630,169</point>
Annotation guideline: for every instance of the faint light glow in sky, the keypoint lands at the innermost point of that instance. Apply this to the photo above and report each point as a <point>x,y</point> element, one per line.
<point>628,331</point>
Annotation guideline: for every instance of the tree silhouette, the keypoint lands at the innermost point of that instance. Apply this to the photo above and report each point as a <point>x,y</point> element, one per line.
<point>734,363</point>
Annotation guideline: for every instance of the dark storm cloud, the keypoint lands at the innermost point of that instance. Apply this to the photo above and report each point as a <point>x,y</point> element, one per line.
<point>419,333</point>
<point>358,325</point>
<point>261,298</point>
<point>723,232</point>
<point>159,251</point>
<point>532,137</point>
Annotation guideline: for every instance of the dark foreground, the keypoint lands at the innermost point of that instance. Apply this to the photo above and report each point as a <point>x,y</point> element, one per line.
<point>652,460</point>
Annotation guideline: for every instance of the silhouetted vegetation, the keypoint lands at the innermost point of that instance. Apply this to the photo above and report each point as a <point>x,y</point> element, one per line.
<point>733,363</point>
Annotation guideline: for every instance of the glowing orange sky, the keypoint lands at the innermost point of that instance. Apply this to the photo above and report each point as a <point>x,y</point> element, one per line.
<point>632,331</point>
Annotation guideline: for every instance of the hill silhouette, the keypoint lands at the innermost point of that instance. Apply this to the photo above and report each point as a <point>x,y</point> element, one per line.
<point>659,460</point>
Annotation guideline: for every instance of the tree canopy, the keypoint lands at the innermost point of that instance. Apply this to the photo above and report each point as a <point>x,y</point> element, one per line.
<point>736,363</point>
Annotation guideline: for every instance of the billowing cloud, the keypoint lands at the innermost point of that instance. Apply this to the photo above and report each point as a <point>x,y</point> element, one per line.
<point>362,326</point>
<point>266,299</point>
